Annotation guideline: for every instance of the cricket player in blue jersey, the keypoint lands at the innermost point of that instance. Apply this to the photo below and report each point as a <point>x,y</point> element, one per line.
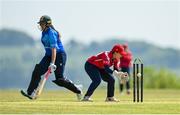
<point>54,59</point>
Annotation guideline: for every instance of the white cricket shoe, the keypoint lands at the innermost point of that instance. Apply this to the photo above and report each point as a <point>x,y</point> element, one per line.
<point>87,98</point>
<point>79,95</point>
<point>111,99</point>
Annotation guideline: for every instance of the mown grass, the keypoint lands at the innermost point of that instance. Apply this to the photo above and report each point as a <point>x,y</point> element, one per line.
<point>155,102</point>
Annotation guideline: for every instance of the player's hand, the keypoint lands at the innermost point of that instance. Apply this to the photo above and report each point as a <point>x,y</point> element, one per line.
<point>117,74</point>
<point>125,76</point>
<point>52,67</point>
<point>121,75</point>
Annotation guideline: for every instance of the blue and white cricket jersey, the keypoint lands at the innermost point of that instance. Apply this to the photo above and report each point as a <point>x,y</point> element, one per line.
<point>50,39</point>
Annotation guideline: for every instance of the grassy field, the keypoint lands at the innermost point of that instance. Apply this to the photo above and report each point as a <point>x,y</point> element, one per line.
<point>62,102</point>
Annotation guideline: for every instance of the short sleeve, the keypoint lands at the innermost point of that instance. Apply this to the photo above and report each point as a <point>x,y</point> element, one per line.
<point>52,39</point>
<point>106,60</point>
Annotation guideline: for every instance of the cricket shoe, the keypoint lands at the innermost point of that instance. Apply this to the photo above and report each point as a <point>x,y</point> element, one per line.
<point>32,96</point>
<point>111,99</point>
<point>87,98</point>
<point>79,95</point>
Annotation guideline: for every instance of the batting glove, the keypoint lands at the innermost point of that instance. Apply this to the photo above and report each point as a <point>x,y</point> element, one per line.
<point>52,67</point>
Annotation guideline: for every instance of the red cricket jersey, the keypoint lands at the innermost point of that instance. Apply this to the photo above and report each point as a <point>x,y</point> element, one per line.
<point>102,59</point>
<point>126,60</point>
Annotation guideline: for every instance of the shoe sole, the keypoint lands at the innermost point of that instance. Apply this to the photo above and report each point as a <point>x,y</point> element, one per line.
<point>25,95</point>
<point>87,100</point>
<point>111,101</point>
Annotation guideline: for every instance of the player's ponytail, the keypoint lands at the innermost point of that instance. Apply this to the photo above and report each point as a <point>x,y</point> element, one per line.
<point>55,30</point>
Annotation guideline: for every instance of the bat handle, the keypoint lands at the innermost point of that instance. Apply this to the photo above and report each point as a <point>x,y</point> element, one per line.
<point>47,74</point>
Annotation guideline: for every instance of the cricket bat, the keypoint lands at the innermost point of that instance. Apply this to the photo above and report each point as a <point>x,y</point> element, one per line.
<point>42,83</point>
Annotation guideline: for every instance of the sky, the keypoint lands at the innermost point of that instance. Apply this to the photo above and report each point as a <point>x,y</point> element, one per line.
<point>153,21</point>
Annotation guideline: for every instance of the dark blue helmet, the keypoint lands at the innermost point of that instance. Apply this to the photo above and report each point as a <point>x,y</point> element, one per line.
<point>45,19</point>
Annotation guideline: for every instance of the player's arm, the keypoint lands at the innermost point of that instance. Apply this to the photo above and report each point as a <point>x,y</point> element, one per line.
<point>53,56</point>
<point>117,71</point>
<point>53,44</point>
<point>113,72</point>
<point>107,69</point>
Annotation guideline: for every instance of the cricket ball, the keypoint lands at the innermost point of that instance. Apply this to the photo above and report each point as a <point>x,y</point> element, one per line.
<point>138,74</point>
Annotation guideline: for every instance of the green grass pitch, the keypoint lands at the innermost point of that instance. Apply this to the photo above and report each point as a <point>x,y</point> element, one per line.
<point>63,102</point>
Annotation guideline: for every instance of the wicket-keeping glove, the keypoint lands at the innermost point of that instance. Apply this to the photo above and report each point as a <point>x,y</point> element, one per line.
<point>117,74</point>
<point>125,77</point>
<point>121,75</point>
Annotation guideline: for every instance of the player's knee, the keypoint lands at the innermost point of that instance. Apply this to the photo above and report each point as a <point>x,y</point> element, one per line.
<point>37,68</point>
<point>97,82</point>
<point>36,71</point>
<point>62,82</point>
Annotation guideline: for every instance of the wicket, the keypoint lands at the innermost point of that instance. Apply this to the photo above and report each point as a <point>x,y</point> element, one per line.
<point>137,75</point>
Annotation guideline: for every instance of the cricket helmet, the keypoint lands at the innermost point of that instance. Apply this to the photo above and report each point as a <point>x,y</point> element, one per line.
<point>45,19</point>
<point>118,48</point>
